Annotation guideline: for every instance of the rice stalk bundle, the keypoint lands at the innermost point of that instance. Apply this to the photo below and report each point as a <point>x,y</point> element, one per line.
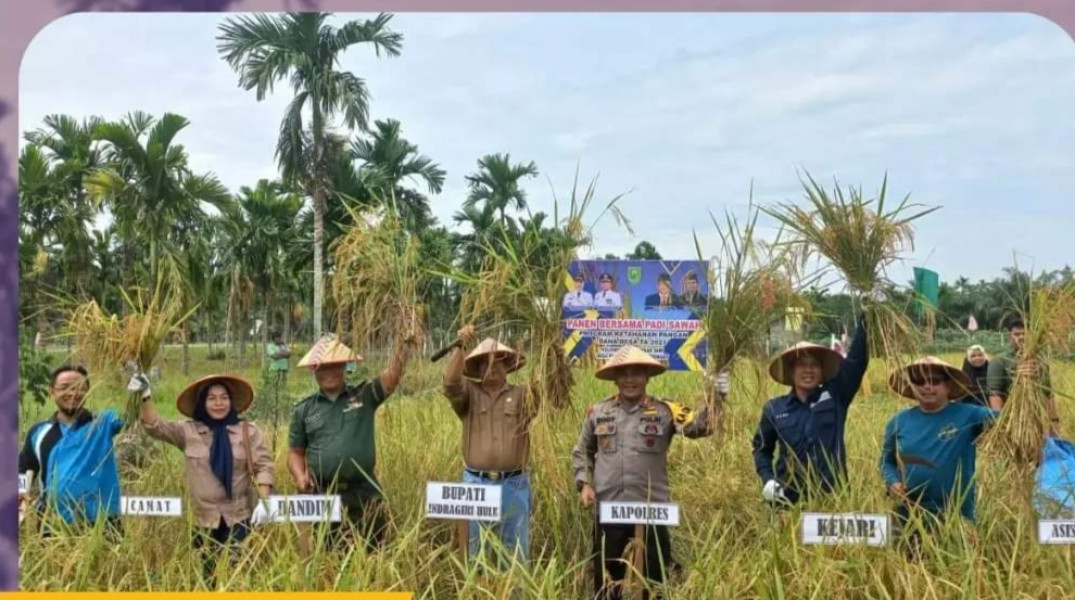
<point>1049,321</point>
<point>375,283</point>
<point>860,239</point>
<point>517,290</point>
<point>109,343</point>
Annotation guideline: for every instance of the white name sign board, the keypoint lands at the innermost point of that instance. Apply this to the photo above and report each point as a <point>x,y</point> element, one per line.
<point>305,509</point>
<point>639,513</point>
<point>151,507</point>
<point>845,529</point>
<point>1056,532</point>
<point>24,484</point>
<point>464,501</point>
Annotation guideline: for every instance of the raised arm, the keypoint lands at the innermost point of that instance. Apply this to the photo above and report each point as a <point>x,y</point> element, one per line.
<point>455,387</point>
<point>849,378</point>
<point>392,375</point>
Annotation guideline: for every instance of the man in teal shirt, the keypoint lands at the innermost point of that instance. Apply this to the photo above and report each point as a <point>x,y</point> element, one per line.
<point>928,457</point>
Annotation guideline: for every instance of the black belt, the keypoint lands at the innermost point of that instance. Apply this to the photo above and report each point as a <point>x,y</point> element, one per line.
<point>496,475</point>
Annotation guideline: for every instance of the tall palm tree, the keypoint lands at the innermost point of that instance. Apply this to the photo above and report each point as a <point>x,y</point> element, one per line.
<point>387,159</point>
<point>149,186</point>
<point>496,184</point>
<point>302,48</point>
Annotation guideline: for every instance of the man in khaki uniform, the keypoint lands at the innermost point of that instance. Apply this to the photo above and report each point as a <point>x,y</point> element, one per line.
<point>496,433</point>
<point>622,456</point>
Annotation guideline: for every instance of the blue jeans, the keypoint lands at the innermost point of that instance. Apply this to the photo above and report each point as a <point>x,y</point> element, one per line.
<point>514,526</point>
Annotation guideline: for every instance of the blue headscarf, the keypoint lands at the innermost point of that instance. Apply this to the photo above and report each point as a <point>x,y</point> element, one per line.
<point>220,457</point>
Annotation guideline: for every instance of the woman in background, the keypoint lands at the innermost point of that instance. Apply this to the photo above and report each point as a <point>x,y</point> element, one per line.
<point>975,366</point>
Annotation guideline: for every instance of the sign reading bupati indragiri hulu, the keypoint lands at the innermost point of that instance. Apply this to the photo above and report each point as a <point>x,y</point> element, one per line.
<point>657,305</point>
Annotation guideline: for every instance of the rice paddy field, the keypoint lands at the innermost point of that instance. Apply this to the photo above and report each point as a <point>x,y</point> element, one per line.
<point>730,544</point>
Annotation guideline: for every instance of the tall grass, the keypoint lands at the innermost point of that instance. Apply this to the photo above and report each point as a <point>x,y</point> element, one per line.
<point>730,544</point>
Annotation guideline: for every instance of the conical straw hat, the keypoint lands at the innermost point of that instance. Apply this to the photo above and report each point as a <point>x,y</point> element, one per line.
<point>328,351</point>
<point>780,369</point>
<point>629,356</point>
<point>473,363</point>
<point>900,380</point>
<point>240,390</point>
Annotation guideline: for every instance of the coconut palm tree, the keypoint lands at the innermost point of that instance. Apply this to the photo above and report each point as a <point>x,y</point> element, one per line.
<point>149,186</point>
<point>497,184</point>
<point>387,159</point>
<point>305,50</point>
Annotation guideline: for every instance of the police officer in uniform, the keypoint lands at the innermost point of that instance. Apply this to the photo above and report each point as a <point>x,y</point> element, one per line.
<point>622,455</point>
<point>331,443</point>
<point>607,298</point>
<point>807,423</point>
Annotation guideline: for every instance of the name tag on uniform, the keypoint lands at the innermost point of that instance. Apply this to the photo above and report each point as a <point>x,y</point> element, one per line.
<point>151,507</point>
<point>305,509</point>
<point>463,501</point>
<point>849,529</point>
<point>639,513</point>
<point>24,484</point>
<point>1056,532</point>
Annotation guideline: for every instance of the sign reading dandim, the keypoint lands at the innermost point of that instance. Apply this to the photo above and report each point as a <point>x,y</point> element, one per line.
<point>305,509</point>
<point>466,501</point>
<point>845,529</point>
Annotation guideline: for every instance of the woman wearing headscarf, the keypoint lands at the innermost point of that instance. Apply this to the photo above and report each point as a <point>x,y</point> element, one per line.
<point>228,464</point>
<point>975,367</point>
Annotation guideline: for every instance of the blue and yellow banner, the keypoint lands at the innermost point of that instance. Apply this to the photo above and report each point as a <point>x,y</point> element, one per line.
<point>657,305</point>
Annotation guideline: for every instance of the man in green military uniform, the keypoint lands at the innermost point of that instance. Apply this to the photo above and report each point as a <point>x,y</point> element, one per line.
<point>1004,369</point>
<point>622,456</point>
<point>331,443</point>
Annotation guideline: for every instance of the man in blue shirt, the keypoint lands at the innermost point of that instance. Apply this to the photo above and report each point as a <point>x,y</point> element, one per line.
<point>928,457</point>
<point>807,423</point>
<point>72,457</point>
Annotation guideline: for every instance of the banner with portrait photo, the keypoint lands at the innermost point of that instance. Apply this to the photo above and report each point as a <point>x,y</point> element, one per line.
<point>657,305</point>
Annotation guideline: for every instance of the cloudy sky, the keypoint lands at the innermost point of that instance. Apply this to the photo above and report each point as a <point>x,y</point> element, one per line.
<point>968,112</point>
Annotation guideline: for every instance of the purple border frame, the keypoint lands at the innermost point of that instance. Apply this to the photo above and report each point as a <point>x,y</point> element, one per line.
<point>24,19</point>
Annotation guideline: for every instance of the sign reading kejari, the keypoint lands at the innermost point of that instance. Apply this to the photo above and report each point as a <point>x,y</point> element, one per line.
<point>656,305</point>
<point>305,509</point>
<point>639,513</point>
<point>845,529</point>
<point>463,501</point>
<point>1056,532</point>
<point>151,506</point>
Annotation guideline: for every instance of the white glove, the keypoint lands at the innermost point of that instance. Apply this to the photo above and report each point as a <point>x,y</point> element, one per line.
<point>723,384</point>
<point>876,295</point>
<point>773,491</point>
<point>139,383</point>
<point>262,515</point>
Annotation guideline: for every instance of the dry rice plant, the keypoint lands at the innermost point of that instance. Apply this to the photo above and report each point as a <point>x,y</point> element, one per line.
<point>375,284</point>
<point>860,241</point>
<point>108,343</point>
<point>1049,323</point>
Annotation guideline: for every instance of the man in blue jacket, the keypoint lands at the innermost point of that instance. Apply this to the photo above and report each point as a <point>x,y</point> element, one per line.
<point>807,423</point>
<point>72,457</point>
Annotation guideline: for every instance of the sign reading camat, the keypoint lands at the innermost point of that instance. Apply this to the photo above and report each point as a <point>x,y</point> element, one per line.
<point>846,528</point>
<point>466,501</point>
<point>151,507</point>
<point>304,509</point>
<point>639,513</point>
<point>1056,532</point>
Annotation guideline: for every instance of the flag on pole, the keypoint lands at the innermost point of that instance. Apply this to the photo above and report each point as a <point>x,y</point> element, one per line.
<point>972,324</point>
<point>927,287</point>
